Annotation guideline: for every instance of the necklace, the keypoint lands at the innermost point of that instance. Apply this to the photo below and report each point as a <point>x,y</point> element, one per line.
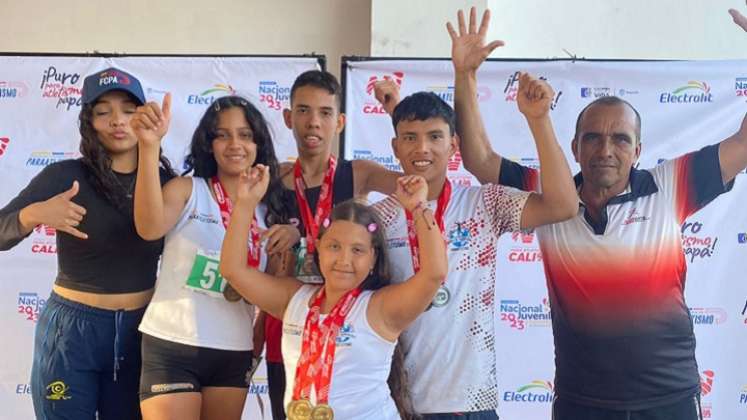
<point>130,189</point>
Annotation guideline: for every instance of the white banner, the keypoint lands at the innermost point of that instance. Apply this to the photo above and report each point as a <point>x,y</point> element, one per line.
<point>39,106</point>
<point>684,106</point>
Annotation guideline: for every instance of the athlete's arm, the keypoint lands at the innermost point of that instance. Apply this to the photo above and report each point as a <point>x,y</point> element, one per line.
<point>269,292</point>
<point>370,176</point>
<point>156,211</point>
<point>558,200</point>
<point>396,306</point>
<point>468,52</point>
<point>42,203</point>
<point>732,153</point>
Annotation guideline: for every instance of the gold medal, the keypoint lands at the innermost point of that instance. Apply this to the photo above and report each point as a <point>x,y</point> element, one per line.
<point>299,410</point>
<point>322,412</point>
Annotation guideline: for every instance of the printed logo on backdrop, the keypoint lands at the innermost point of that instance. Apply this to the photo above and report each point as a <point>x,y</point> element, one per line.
<point>744,312</point>
<point>452,167</point>
<point>743,396</point>
<point>696,244</point>
<point>23,389</point>
<point>512,89</point>
<point>60,86</point>
<point>706,386</point>
<point>742,238</point>
<point>589,92</point>
<point>595,92</point>
<point>259,386</point>
<point>520,316</point>
<point>30,305</point>
<point>42,158</point>
<point>209,95</point>
<point>12,90</point>
<point>707,316</point>
<point>693,92</point>
<point>444,92</point>
<point>740,87</point>
<point>387,161</point>
<point>524,248</point>
<point>4,143</point>
<point>273,95</point>
<point>533,392</point>
<point>372,106</point>
<point>44,240</point>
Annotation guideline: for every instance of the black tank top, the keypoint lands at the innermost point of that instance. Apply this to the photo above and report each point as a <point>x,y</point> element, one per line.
<point>342,190</point>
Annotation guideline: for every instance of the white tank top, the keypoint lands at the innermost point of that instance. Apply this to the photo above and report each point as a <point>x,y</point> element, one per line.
<point>188,306</point>
<point>362,361</point>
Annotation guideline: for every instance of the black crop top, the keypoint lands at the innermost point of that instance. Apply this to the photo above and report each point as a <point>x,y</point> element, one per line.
<point>114,259</point>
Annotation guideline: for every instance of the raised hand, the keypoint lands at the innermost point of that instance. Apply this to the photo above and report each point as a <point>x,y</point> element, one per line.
<point>253,184</point>
<point>280,238</point>
<point>739,18</point>
<point>58,212</point>
<point>412,190</point>
<point>534,96</point>
<point>387,93</point>
<point>151,121</point>
<point>468,49</point>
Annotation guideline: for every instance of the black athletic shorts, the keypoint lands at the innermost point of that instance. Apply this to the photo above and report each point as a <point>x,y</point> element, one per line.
<point>170,367</point>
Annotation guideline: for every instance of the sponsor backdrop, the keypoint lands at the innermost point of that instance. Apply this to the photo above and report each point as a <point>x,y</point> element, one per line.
<point>40,98</point>
<point>684,106</point>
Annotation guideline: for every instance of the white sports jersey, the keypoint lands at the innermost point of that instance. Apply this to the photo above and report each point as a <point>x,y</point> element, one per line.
<point>449,350</point>
<point>188,306</point>
<point>359,389</point>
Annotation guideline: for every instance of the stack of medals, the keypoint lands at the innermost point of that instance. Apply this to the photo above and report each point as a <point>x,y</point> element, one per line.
<point>308,271</point>
<point>442,295</point>
<point>317,357</point>
<point>226,207</point>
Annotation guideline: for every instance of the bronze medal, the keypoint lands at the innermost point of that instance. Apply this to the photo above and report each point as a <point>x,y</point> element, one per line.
<point>299,410</point>
<point>322,412</point>
<point>230,294</point>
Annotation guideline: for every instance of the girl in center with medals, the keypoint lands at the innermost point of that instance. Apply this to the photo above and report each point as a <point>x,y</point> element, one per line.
<point>197,336</point>
<point>338,337</point>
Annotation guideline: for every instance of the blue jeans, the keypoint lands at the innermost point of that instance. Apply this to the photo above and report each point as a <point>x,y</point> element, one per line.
<point>685,409</point>
<point>472,415</point>
<point>86,360</point>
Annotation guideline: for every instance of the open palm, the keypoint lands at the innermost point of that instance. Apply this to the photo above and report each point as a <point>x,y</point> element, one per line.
<point>468,48</point>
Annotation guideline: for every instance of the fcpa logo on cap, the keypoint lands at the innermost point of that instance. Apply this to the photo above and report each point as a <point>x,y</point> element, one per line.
<point>112,76</point>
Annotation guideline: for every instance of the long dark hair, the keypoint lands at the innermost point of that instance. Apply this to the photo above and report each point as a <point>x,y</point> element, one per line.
<point>202,163</point>
<point>99,163</point>
<point>360,213</point>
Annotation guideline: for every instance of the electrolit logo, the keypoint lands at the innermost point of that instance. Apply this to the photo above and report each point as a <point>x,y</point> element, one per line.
<point>209,95</point>
<point>533,392</point>
<point>693,92</point>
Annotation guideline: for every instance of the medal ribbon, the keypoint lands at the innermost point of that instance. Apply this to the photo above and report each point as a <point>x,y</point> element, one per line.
<point>318,347</point>
<point>441,204</point>
<point>226,207</point>
<point>324,204</point>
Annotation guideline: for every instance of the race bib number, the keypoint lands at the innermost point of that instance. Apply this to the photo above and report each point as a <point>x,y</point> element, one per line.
<point>204,276</point>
